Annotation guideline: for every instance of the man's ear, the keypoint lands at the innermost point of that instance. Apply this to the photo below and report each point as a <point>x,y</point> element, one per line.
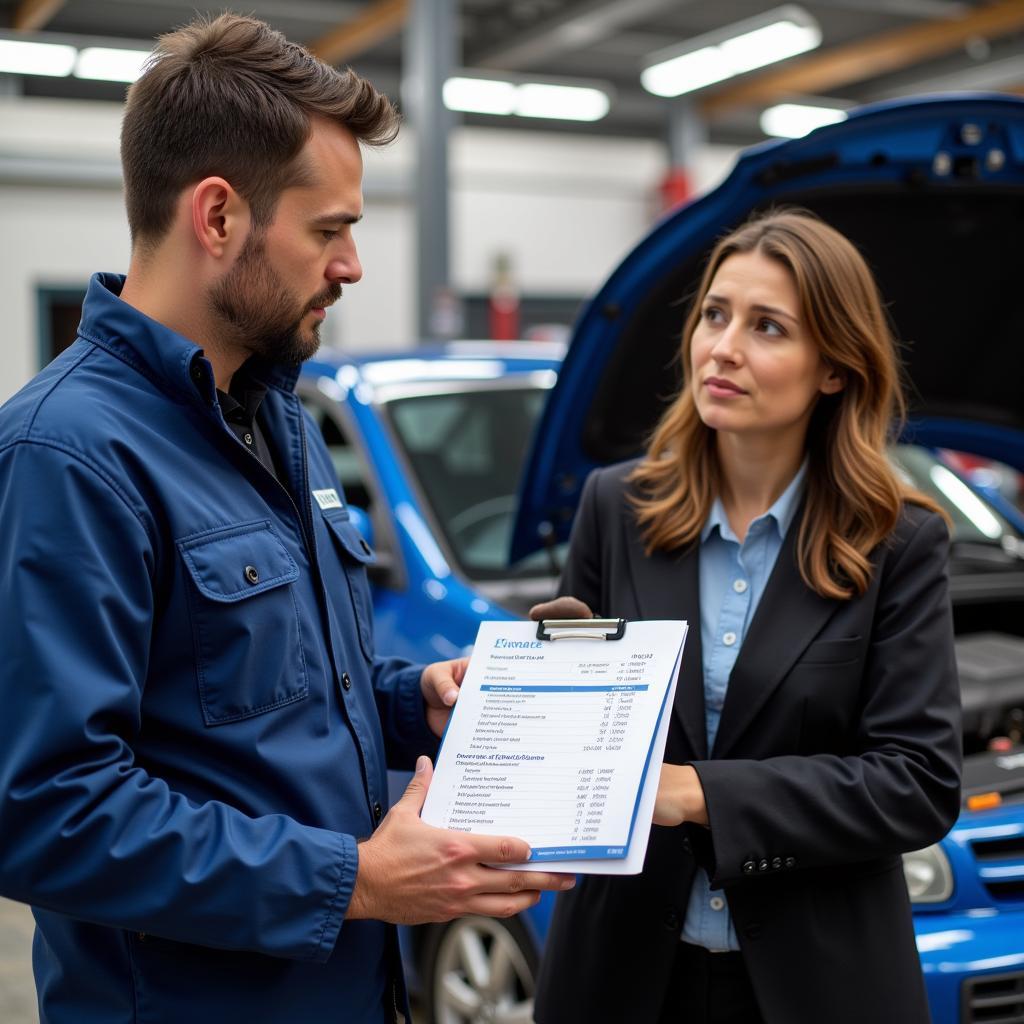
<point>220,217</point>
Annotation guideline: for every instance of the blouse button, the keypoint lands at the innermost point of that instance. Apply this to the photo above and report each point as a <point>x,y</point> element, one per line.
<point>716,903</point>
<point>739,586</point>
<point>728,639</point>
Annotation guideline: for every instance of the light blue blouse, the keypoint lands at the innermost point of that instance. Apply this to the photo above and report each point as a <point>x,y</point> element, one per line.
<point>732,579</point>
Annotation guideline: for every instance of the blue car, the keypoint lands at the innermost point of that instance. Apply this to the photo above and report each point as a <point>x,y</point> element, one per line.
<point>468,524</point>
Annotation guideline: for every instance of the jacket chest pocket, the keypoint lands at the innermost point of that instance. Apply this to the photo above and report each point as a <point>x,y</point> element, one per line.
<point>355,555</point>
<point>245,621</point>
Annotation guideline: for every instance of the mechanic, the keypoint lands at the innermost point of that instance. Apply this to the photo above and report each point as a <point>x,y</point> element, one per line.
<point>196,727</point>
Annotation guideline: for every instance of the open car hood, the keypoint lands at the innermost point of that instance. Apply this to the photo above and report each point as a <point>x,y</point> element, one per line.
<point>931,191</point>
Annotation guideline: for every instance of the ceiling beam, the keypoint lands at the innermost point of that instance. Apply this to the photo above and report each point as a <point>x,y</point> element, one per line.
<point>868,58</point>
<point>381,20</point>
<point>32,15</point>
<point>576,28</point>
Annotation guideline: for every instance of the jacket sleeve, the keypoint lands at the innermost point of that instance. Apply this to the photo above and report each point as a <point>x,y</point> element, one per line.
<point>85,831</point>
<point>899,789</point>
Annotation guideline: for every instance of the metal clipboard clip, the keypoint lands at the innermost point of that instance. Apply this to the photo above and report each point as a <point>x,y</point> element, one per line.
<point>581,629</point>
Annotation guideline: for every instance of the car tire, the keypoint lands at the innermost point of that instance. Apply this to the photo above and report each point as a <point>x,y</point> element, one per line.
<point>479,969</point>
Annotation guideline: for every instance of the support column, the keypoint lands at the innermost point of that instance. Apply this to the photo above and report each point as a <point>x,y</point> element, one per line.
<point>428,60</point>
<point>687,131</point>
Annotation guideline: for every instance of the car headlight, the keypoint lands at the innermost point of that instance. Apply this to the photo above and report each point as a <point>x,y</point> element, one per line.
<point>928,874</point>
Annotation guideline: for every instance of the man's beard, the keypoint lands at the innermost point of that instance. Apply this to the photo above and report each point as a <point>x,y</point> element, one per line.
<point>261,314</point>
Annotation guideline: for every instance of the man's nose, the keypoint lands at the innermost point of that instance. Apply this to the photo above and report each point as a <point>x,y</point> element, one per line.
<point>345,269</point>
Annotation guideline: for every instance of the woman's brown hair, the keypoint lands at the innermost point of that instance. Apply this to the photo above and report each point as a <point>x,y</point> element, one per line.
<point>854,496</point>
<point>232,97</point>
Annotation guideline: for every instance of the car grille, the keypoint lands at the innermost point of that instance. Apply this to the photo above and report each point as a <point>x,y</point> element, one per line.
<point>993,999</point>
<point>1000,863</point>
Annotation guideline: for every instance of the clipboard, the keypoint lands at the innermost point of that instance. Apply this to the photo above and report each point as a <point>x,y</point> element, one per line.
<point>581,629</point>
<point>553,742</point>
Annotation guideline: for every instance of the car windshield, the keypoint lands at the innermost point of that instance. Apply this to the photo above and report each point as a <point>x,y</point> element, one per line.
<point>466,447</point>
<point>467,442</point>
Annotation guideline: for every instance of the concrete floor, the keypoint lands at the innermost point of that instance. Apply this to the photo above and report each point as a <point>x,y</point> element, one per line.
<point>17,992</point>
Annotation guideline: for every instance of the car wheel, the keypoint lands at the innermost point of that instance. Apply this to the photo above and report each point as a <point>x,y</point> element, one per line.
<point>480,970</point>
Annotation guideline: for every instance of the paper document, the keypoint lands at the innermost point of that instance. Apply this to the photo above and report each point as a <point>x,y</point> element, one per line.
<point>560,742</point>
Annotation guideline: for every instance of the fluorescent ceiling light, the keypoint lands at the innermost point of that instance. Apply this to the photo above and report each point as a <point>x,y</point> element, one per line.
<point>794,120</point>
<point>479,96</point>
<point>770,37</point>
<point>107,64</point>
<point>561,102</point>
<point>24,58</point>
<point>526,99</point>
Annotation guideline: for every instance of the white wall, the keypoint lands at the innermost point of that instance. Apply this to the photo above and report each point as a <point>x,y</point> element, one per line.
<point>565,207</point>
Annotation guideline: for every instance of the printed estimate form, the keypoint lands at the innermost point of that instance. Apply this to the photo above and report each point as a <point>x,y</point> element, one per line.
<point>560,742</point>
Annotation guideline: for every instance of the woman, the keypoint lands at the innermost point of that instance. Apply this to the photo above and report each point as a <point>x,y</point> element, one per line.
<point>816,728</point>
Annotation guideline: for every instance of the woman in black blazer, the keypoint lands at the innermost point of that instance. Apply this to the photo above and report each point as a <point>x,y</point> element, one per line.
<point>816,731</point>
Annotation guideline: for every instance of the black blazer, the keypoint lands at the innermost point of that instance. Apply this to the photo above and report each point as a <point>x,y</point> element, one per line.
<point>838,749</point>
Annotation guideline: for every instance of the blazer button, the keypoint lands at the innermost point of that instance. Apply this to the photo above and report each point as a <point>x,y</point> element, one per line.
<point>790,862</point>
<point>752,931</point>
<point>364,546</point>
<point>776,863</point>
<point>378,812</point>
<point>749,867</point>
<point>346,682</point>
<point>686,844</point>
<point>252,574</point>
<point>672,920</point>
<point>763,866</point>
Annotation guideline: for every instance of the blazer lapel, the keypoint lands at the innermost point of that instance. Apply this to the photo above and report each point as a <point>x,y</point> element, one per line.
<point>788,617</point>
<point>667,586</point>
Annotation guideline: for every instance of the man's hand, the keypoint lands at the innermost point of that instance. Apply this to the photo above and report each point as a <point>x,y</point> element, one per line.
<point>412,873</point>
<point>440,684</point>
<point>680,796</point>
<point>561,608</point>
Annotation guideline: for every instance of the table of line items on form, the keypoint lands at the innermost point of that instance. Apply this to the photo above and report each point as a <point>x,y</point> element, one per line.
<point>553,741</point>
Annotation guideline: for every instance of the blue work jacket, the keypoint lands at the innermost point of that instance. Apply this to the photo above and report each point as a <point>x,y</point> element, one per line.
<point>193,724</point>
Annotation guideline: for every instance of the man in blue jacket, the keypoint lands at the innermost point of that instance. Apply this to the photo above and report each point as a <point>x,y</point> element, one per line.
<point>195,726</point>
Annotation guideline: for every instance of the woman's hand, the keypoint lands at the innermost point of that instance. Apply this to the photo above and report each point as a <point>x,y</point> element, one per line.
<point>561,608</point>
<point>680,796</point>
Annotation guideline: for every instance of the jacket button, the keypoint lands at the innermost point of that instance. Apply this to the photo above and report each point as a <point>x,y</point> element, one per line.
<point>763,866</point>
<point>672,920</point>
<point>776,863</point>
<point>378,812</point>
<point>252,574</point>
<point>346,682</point>
<point>686,844</point>
<point>364,546</point>
<point>790,862</point>
<point>752,931</point>
<point>749,867</point>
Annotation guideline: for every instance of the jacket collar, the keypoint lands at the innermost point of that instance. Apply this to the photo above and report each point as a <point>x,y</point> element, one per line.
<point>170,360</point>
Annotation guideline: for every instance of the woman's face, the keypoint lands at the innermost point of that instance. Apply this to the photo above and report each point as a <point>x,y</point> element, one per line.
<point>754,370</point>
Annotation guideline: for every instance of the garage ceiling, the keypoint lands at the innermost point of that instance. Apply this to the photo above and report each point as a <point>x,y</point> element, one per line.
<point>871,49</point>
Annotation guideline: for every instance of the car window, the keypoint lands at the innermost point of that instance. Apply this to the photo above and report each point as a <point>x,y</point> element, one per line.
<point>466,449</point>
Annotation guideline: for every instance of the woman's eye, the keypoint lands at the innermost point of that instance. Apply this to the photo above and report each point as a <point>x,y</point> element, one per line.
<point>712,314</point>
<point>769,327</point>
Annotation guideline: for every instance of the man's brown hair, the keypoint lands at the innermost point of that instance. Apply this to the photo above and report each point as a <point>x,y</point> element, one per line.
<point>232,97</point>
